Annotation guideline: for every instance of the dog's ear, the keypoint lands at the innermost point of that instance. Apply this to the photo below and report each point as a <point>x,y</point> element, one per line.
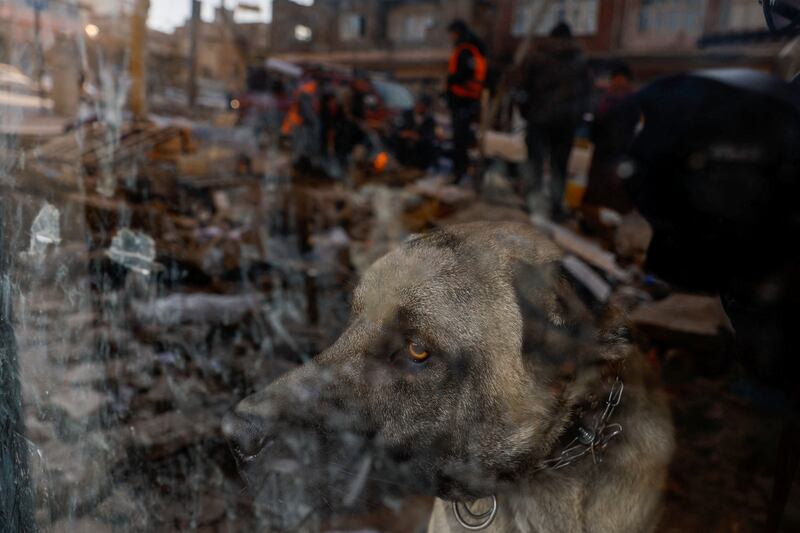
<point>614,334</point>
<point>558,327</point>
<point>550,326</point>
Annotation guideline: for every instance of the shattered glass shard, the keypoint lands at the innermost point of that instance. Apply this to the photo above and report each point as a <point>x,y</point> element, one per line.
<point>45,229</point>
<point>134,250</point>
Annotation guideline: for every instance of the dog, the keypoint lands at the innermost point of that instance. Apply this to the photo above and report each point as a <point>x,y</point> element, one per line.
<point>471,370</point>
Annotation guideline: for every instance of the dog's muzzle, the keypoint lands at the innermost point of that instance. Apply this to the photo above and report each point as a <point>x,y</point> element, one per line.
<point>247,434</point>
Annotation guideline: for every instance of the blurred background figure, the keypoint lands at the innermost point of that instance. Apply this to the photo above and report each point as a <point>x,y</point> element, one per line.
<point>415,141</point>
<point>361,88</point>
<point>264,102</point>
<point>555,90</point>
<point>332,118</point>
<point>612,134</point>
<point>465,81</point>
<point>302,121</point>
<point>715,172</point>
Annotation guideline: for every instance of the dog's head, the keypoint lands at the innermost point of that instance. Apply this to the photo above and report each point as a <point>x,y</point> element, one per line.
<point>455,373</point>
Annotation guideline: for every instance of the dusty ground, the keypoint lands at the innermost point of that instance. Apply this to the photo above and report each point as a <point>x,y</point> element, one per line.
<point>721,476</point>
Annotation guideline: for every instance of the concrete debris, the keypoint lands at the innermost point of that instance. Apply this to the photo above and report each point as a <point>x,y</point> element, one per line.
<point>39,432</point>
<point>85,374</point>
<point>480,210</point>
<point>70,478</point>
<point>685,319</point>
<point>632,237</point>
<point>439,189</point>
<point>582,247</point>
<point>81,525</point>
<point>79,403</point>
<point>164,435</point>
<point>587,277</point>
<point>123,510</point>
<point>609,217</point>
<point>198,308</point>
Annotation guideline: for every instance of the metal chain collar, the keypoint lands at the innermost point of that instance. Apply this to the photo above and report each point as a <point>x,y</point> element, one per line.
<point>590,441</point>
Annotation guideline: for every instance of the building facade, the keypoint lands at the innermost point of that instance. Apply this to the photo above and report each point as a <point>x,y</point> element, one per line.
<point>662,36</point>
<point>594,23</point>
<point>408,38</point>
<point>17,30</point>
<point>225,48</point>
<point>405,38</point>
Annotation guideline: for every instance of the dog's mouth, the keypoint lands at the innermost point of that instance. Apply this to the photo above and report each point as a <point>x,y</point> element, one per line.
<point>301,474</point>
<point>306,470</point>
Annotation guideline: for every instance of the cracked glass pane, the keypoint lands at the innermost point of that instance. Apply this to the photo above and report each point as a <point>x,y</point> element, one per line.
<point>399,266</point>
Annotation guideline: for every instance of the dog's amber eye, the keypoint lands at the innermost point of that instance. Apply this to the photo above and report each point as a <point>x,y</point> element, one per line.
<point>416,352</point>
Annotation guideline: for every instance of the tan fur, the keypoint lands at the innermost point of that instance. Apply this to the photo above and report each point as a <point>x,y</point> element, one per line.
<point>504,379</point>
<point>621,495</point>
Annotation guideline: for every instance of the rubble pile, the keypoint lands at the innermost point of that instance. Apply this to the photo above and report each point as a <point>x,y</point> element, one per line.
<point>149,308</point>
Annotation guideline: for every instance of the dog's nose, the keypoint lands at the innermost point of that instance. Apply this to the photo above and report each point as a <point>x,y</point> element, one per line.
<point>248,434</point>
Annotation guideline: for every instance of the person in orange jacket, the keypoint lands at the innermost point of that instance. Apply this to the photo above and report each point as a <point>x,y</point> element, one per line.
<point>302,121</point>
<point>466,78</point>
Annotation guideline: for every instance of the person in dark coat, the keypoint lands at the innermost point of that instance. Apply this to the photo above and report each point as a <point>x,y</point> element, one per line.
<point>415,142</point>
<point>613,131</point>
<point>556,85</point>
<point>466,78</point>
<point>715,170</point>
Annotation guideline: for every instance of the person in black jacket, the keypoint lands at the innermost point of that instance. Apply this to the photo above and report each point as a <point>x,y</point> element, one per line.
<point>614,127</point>
<point>415,142</point>
<point>466,78</point>
<point>715,170</point>
<point>555,92</point>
